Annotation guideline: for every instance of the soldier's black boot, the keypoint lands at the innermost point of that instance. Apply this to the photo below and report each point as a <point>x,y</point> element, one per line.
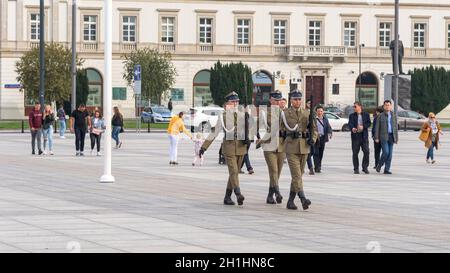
<point>227,200</point>
<point>239,196</point>
<point>305,202</point>
<point>270,199</point>
<point>278,196</point>
<point>290,203</point>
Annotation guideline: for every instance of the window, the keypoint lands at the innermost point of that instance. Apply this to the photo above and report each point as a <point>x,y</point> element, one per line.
<point>167,29</point>
<point>206,30</point>
<point>419,35</point>
<point>90,28</point>
<point>243,31</point>
<point>448,35</point>
<point>314,33</point>
<point>119,93</point>
<point>335,89</point>
<point>34,27</point>
<point>279,32</point>
<point>385,34</point>
<point>129,29</point>
<point>177,94</point>
<point>350,34</point>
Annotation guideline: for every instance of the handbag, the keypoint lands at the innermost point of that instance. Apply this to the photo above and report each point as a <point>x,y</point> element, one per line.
<point>424,136</point>
<point>97,131</point>
<point>121,130</point>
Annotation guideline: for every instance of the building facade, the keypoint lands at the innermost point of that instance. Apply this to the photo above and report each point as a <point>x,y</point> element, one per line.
<point>315,45</point>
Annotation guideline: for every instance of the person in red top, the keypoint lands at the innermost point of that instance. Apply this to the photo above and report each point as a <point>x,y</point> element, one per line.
<point>35,121</point>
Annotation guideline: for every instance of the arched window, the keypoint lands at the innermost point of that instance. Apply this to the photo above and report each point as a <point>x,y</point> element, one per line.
<point>95,83</point>
<point>367,90</point>
<point>202,93</point>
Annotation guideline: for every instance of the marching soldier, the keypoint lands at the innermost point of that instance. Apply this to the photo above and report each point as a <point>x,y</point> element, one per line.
<point>298,140</point>
<point>234,146</point>
<point>273,146</point>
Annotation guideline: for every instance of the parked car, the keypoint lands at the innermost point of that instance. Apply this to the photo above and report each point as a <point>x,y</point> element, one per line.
<point>156,114</point>
<point>334,109</point>
<point>337,123</point>
<point>202,118</point>
<point>410,120</point>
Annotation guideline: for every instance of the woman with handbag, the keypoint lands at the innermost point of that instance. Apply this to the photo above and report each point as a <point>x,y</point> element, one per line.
<point>117,124</point>
<point>430,135</point>
<point>96,130</point>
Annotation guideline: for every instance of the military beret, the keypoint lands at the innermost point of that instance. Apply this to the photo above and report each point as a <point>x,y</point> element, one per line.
<point>233,96</point>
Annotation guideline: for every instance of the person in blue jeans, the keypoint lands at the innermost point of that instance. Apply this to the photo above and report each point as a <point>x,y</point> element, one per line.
<point>117,126</point>
<point>62,121</point>
<point>386,133</point>
<point>47,129</point>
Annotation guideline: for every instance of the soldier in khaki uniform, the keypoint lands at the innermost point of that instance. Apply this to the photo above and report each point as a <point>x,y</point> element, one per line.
<point>296,127</point>
<point>233,147</point>
<point>273,146</point>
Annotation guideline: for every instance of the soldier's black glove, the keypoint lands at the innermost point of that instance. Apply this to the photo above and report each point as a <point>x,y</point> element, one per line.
<point>201,152</point>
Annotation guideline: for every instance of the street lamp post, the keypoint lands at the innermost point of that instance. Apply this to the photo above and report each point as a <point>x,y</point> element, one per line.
<point>360,69</point>
<point>74,53</point>
<point>396,67</point>
<point>41,54</point>
<point>107,93</point>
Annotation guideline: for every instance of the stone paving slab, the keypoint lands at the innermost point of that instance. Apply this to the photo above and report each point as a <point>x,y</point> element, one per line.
<point>53,203</point>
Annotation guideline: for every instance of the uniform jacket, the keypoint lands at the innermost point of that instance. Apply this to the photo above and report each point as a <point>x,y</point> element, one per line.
<point>232,142</point>
<point>353,123</point>
<point>381,128</point>
<point>300,117</point>
<point>272,135</point>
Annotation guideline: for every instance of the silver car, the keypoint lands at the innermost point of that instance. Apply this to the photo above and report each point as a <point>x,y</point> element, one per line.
<point>410,120</point>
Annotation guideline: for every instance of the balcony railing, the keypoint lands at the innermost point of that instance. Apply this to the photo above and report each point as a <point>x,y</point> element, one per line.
<point>205,48</point>
<point>243,49</point>
<point>167,48</point>
<point>280,50</point>
<point>90,47</point>
<point>129,47</point>
<point>34,44</point>
<point>421,52</point>
<point>384,51</point>
<point>352,51</point>
<point>318,51</point>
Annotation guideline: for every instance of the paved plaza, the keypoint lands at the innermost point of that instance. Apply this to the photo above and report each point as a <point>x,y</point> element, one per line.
<point>56,204</point>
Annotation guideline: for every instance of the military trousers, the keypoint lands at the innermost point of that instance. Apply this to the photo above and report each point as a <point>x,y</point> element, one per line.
<point>234,162</point>
<point>274,162</point>
<point>297,164</point>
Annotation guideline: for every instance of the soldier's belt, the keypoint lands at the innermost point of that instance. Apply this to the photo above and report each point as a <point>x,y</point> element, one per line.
<point>296,135</point>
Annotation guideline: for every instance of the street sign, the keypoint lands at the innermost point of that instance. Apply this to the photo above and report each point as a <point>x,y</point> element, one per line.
<point>137,79</point>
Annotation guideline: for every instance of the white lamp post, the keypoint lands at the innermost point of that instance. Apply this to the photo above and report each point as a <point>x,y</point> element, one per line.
<point>107,93</point>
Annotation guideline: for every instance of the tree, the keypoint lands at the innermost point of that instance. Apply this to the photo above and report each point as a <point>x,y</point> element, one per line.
<point>230,77</point>
<point>58,60</point>
<point>430,89</point>
<point>82,87</point>
<point>157,72</point>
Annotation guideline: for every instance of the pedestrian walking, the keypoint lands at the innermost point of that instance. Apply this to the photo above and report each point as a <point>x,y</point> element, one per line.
<point>61,114</point>
<point>79,122</point>
<point>169,105</point>
<point>430,132</point>
<point>176,125</point>
<point>325,134</point>
<point>376,146</point>
<point>247,163</point>
<point>386,133</point>
<point>273,146</point>
<point>117,126</point>
<point>96,131</point>
<point>47,129</point>
<point>234,148</point>
<point>198,142</point>
<point>35,122</point>
<point>300,135</point>
<point>359,123</point>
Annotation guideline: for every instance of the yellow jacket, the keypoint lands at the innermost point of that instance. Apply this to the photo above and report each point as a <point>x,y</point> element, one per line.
<point>176,125</point>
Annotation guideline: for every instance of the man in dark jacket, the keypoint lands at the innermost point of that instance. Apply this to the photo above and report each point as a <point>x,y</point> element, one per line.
<point>35,122</point>
<point>386,133</point>
<point>325,134</point>
<point>376,146</point>
<point>359,123</point>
